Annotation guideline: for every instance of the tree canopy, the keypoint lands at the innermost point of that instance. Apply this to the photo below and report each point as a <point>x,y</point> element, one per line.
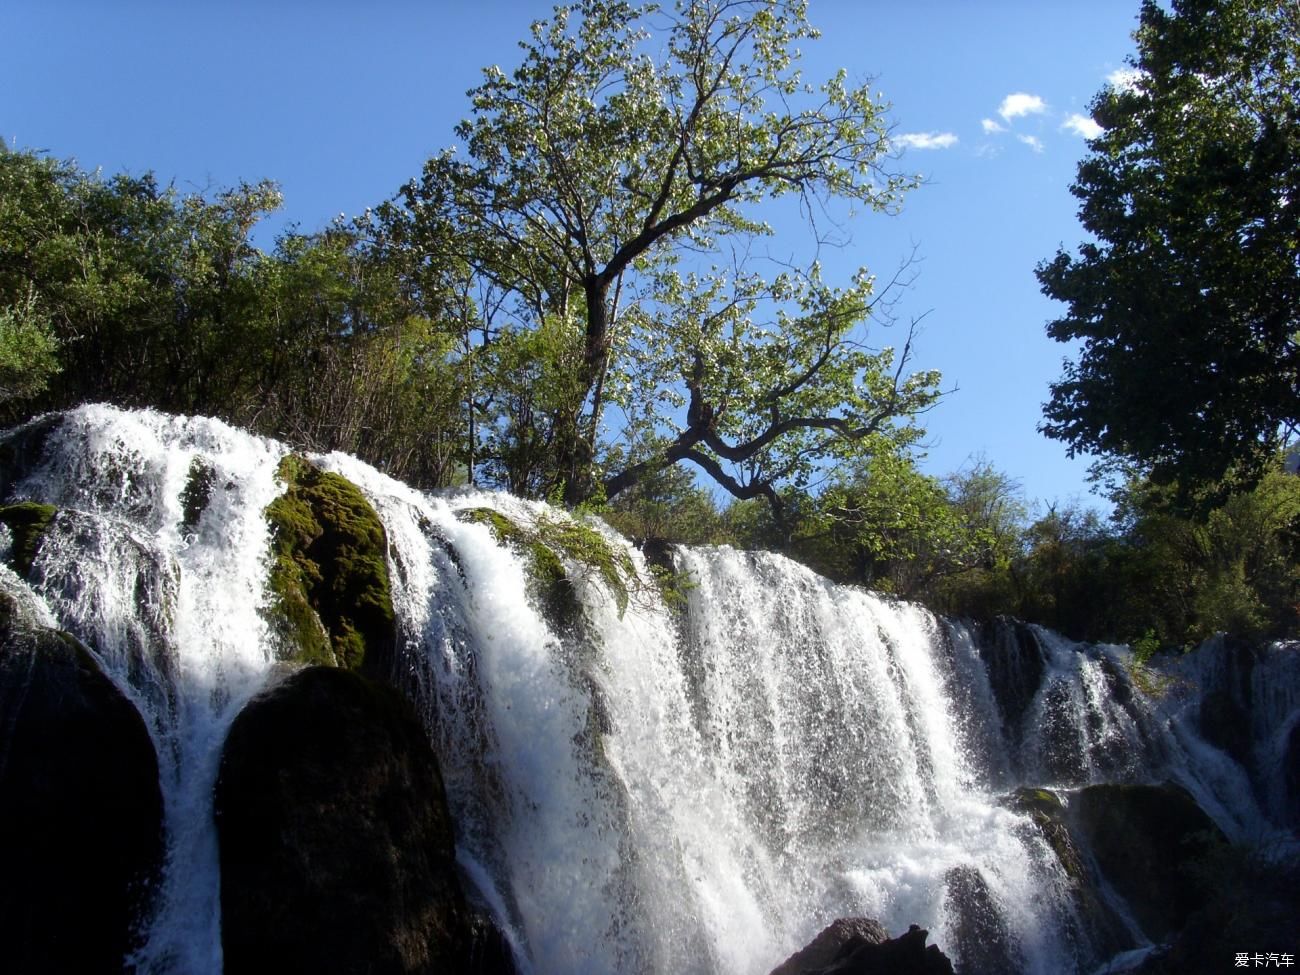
<point>1187,300</point>
<point>604,210</point>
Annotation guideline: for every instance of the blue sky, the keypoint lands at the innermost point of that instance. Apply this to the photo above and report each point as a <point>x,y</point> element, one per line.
<point>341,102</point>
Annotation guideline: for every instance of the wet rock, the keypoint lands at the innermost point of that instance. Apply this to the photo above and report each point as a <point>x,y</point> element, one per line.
<point>329,573</point>
<point>336,843</point>
<point>1097,930</point>
<point>983,944</point>
<point>824,948</point>
<point>27,522</point>
<point>1148,841</point>
<point>859,946</point>
<point>1015,664</point>
<point>80,806</point>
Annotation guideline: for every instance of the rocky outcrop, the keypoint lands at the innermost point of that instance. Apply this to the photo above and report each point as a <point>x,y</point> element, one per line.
<point>983,942</point>
<point>828,944</point>
<point>1099,932</point>
<point>861,946</point>
<point>27,522</point>
<point>1015,664</point>
<point>336,843</point>
<point>329,574</point>
<point>80,806</point>
<point>1148,841</point>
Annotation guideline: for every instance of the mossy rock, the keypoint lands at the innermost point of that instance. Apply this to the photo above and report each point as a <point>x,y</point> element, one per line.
<point>1099,927</point>
<point>1047,811</point>
<point>329,573</point>
<point>546,547</point>
<point>28,521</point>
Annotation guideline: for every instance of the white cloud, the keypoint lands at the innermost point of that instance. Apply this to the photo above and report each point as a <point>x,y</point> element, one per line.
<point>1125,79</point>
<point>1032,141</point>
<point>1021,103</point>
<point>991,127</point>
<point>927,140</point>
<point>1082,125</point>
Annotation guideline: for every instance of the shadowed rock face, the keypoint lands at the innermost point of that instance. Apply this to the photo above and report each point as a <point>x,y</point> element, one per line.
<point>80,806</point>
<point>861,946</point>
<point>336,843</point>
<point>1145,839</point>
<point>1015,665</point>
<point>984,943</point>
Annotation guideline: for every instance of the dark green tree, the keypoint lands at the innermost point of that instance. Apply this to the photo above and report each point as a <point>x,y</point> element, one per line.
<point>1187,301</point>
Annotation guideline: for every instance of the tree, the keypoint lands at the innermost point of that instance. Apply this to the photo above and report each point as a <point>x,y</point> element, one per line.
<point>604,197</point>
<point>28,351</point>
<point>148,294</point>
<point>1187,303</point>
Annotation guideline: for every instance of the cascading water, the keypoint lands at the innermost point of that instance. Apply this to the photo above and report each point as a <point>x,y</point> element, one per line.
<point>172,609</point>
<point>646,787</point>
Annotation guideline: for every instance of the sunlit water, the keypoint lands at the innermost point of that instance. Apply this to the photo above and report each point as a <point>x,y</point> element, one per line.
<point>673,790</point>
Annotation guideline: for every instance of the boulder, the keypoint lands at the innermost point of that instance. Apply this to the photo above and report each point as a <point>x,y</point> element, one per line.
<point>336,843</point>
<point>27,522</point>
<point>80,806</point>
<point>1151,843</point>
<point>860,946</point>
<point>984,945</point>
<point>333,603</point>
<point>1099,930</point>
<point>824,948</point>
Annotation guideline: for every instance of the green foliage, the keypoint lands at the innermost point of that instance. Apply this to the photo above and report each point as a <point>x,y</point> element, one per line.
<point>886,525</point>
<point>329,572</point>
<point>1186,302</point>
<point>667,506</point>
<point>1237,570</point>
<point>28,351</point>
<point>548,544</point>
<point>146,295</point>
<point>597,183</point>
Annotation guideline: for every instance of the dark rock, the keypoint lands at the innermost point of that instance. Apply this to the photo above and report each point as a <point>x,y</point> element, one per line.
<point>22,449</point>
<point>1098,930</point>
<point>336,843</point>
<point>27,521</point>
<point>824,948</point>
<point>1147,841</point>
<point>984,944</point>
<point>1014,662</point>
<point>1291,774</point>
<point>330,573</point>
<point>1253,907</point>
<point>1224,715</point>
<point>864,950</point>
<point>197,493</point>
<point>80,806</point>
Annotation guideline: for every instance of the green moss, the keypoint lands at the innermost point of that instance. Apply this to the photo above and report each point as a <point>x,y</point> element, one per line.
<point>582,543</point>
<point>329,571</point>
<point>1047,811</point>
<point>28,521</point>
<point>544,547</point>
<point>503,529</point>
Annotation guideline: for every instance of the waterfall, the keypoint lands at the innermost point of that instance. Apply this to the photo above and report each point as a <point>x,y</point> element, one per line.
<point>695,785</point>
